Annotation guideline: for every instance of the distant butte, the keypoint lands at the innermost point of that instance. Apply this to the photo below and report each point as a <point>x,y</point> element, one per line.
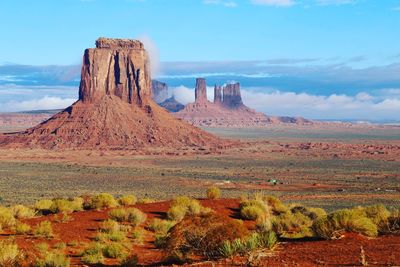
<point>227,109</point>
<point>114,109</point>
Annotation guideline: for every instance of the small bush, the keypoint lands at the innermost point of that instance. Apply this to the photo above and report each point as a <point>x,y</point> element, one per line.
<point>176,213</point>
<point>130,261</point>
<point>43,205</point>
<point>10,255</point>
<point>118,215</point>
<point>60,245</point>
<point>344,220</point>
<point>160,227</point>
<point>22,212</point>
<point>54,259</point>
<point>127,200</point>
<point>392,224</point>
<point>213,192</point>
<point>115,251</point>
<point>6,218</point>
<point>115,236</point>
<point>267,239</point>
<point>44,229</point>
<point>292,225</point>
<point>227,249</point>
<point>202,235</point>
<point>22,228</point>
<point>252,212</point>
<point>277,207</point>
<point>378,214</point>
<point>93,254</point>
<point>42,248</point>
<point>108,226</point>
<point>61,205</point>
<point>102,201</point>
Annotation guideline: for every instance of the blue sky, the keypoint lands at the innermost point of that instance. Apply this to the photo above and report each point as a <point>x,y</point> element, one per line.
<point>322,59</point>
<point>45,32</point>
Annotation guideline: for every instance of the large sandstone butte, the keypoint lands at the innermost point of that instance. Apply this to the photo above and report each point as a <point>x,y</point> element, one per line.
<point>227,109</point>
<point>114,109</point>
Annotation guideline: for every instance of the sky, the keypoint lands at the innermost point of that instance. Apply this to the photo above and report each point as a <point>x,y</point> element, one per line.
<point>332,54</point>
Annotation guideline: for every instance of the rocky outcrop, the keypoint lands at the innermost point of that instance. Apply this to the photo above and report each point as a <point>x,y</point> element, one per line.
<point>114,109</point>
<point>159,91</point>
<point>172,105</point>
<point>116,67</point>
<point>231,96</point>
<point>200,91</point>
<point>217,95</point>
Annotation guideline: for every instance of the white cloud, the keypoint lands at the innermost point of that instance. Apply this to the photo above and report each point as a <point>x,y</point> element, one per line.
<point>362,106</point>
<point>153,53</point>
<point>274,2</point>
<point>45,103</point>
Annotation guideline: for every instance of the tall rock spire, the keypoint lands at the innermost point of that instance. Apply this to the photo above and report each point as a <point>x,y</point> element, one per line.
<point>217,94</point>
<point>200,91</point>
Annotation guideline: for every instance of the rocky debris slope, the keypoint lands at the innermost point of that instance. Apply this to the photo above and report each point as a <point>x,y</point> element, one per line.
<point>227,110</point>
<point>114,110</point>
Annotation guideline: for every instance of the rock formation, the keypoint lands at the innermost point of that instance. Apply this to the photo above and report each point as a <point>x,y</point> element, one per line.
<point>200,91</point>
<point>217,95</point>
<point>114,109</point>
<point>159,91</point>
<point>231,96</point>
<point>227,110</point>
<point>172,105</point>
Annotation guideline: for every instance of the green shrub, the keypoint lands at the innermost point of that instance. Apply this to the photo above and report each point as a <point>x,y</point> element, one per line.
<point>345,220</point>
<point>176,213</point>
<point>277,207</point>
<point>108,226</point>
<point>7,219</point>
<point>202,235</point>
<point>22,212</point>
<point>160,226</point>
<point>115,251</point>
<point>10,255</point>
<point>252,213</point>
<point>22,228</point>
<point>93,254</point>
<point>42,248</point>
<point>160,240</point>
<point>61,205</point>
<point>127,200</point>
<point>43,205</point>
<point>115,236</point>
<point>227,249</point>
<point>102,201</point>
<point>377,213</point>
<point>44,229</point>
<point>135,217</point>
<point>267,239</point>
<point>60,246</point>
<point>213,192</point>
<point>392,224</point>
<point>54,259</point>
<point>292,225</point>
<point>119,215</point>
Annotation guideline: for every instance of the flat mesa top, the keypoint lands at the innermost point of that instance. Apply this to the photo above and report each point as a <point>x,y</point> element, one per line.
<point>112,43</point>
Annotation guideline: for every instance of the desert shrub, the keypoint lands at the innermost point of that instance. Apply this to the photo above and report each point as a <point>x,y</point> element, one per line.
<point>292,225</point>
<point>44,229</point>
<point>115,251</point>
<point>108,226</point>
<point>60,245</point>
<point>392,224</point>
<point>377,213</point>
<point>6,218</point>
<point>127,200</point>
<point>22,212</point>
<point>22,228</point>
<point>344,220</point>
<point>202,235</point>
<point>53,259</point>
<point>115,236</point>
<point>267,239</point>
<point>213,192</point>
<point>102,201</point>
<point>263,224</point>
<point>160,226</point>
<point>77,203</point>
<point>10,255</point>
<point>252,212</point>
<point>227,249</point>
<point>176,213</point>
<point>132,215</point>
<point>93,254</point>
<point>160,240</point>
<point>277,207</point>
<point>42,248</point>
<point>43,205</point>
<point>146,201</point>
<point>61,205</point>
<point>118,215</point>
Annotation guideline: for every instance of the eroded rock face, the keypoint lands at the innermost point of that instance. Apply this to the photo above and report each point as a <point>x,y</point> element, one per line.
<point>159,91</point>
<point>231,96</point>
<point>217,95</point>
<point>116,67</point>
<point>200,91</point>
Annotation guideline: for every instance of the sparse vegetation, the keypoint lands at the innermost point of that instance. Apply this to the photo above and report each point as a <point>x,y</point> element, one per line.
<point>7,219</point>
<point>132,215</point>
<point>213,192</point>
<point>102,201</point>
<point>44,229</point>
<point>127,200</point>
<point>22,228</point>
<point>10,255</point>
<point>182,206</point>
<point>22,212</point>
